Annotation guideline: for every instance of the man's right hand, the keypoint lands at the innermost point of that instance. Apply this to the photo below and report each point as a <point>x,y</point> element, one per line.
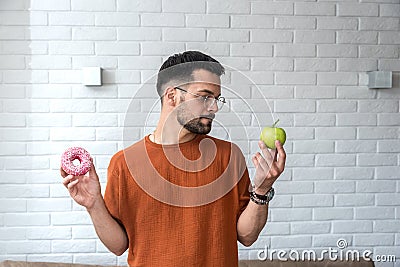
<point>84,189</point>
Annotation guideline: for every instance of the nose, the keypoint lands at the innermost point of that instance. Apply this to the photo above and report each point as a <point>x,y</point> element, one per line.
<point>213,107</point>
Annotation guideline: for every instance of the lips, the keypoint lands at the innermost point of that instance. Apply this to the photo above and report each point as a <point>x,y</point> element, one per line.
<point>209,116</point>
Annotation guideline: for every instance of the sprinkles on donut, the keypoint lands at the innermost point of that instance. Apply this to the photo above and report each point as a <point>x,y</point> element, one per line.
<point>72,154</point>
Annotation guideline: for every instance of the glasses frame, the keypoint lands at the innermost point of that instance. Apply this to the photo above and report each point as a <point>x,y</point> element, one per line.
<point>221,99</point>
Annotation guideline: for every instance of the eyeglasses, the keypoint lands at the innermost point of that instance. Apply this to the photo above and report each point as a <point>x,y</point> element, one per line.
<point>209,100</point>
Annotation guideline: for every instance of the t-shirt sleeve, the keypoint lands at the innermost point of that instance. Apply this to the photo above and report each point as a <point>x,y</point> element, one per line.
<point>111,194</point>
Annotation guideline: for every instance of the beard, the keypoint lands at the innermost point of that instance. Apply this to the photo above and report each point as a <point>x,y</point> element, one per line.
<point>196,124</point>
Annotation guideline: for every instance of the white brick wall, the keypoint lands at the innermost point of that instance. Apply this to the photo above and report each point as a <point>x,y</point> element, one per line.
<point>308,58</point>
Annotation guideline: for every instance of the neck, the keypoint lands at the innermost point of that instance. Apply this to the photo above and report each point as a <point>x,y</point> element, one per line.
<point>171,133</point>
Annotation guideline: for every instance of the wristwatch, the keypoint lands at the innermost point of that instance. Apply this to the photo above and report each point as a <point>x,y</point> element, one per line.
<point>262,199</point>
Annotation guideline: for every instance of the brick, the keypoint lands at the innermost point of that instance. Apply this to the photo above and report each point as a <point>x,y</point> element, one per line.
<point>335,133</point>
<point>33,233</point>
<point>315,120</point>
<point>271,36</point>
<point>389,10</point>
<point>139,6</point>
<point>103,5</point>
<point>333,213</point>
<point>72,134</point>
<point>300,133</point>
<point>314,37</point>
<point>20,247</point>
<point>15,18</point>
<point>310,228</point>
<point>251,50</point>
<point>317,65</point>
<point>26,219</point>
<point>50,33</point>
<point>65,76</point>
<point>379,24</point>
<point>314,173</point>
<point>313,147</point>
<point>296,105</point>
<point>334,186</point>
<point>94,120</point>
<point>376,186</point>
<point>50,5</point>
<point>13,32</point>
<point>373,240</point>
<point>276,228</point>
<point>336,106</point>
<point>387,172</point>
<point>337,23</point>
<point>315,9</point>
<point>300,160</point>
<point>388,146</point>
<point>388,64</point>
<point>42,205</point>
<point>351,119</point>
<point>354,200</point>
<point>388,199</point>
<point>139,34</point>
<point>272,8</point>
<point>70,218</point>
<point>243,78</point>
<point>228,35</point>
<point>163,19</point>
<point>71,48</point>
<point>12,148</point>
<point>25,76</point>
<point>379,51</point>
<point>376,159</point>
<point>389,119</point>
<point>358,10</point>
<point>290,214</point>
<point>12,205</point>
<point>51,120</point>
<point>337,78</point>
<point>318,92</point>
<point>186,7</point>
<point>71,18</point>
<point>251,22</point>
<point>374,213</point>
<point>184,34</point>
<point>388,226</point>
<point>72,105</point>
<point>294,187</point>
<point>228,7</point>
<point>36,18</point>
<point>295,78</point>
<point>117,48</point>
<point>73,246</point>
<point>25,134</point>
<point>83,232</point>
<point>161,48</point>
<point>298,23</point>
<point>12,233</point>
<point>23,191</point>
<point>105,62</point>
<point>312,200</point>
<point>49,62</point>
<point>272,64</point>
<point>349,227</point>
<point>377,133</point>
<point>357,37</point>
<point>12,91</point>
<point>16,120</point>
<point>94,33</point>
<point>337,50</point>
<point>12,62</point>
<point>117,19</point>
<point>211,20</point>
<point>357,64</point>
<point>294,50</point>
<point>15,5</point>
<point>355,92</point>
<point>355,146</point>
<point>290,241</point>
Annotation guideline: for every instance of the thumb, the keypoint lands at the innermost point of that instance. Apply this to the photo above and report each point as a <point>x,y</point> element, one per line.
<point>92,170</point>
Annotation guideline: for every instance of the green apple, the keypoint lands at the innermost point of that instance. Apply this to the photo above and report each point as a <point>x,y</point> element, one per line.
<point>270,134</point>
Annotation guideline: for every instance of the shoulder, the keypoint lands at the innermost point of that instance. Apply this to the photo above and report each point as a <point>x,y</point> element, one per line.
<point>224,144</point>
<point>118,160</point>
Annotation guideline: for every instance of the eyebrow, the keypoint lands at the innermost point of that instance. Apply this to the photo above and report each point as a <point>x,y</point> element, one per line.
<point>207,91</point>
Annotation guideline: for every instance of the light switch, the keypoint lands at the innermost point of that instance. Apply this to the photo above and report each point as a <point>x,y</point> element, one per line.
<point>379,79</point>
<point>91,76</point>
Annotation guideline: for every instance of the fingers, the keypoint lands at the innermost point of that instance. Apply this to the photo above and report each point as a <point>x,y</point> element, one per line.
<point>282,156</point>
<point>63,173</point>
<point>70,181</point>
<point>268,154</point>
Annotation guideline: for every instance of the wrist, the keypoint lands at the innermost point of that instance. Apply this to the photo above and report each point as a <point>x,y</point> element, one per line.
<point>98,203</point>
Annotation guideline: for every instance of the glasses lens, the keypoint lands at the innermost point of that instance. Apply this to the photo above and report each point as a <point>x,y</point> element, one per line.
<point>211,101</point>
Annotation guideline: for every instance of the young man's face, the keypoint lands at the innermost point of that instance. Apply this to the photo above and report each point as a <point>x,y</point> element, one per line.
<point>195,113</point>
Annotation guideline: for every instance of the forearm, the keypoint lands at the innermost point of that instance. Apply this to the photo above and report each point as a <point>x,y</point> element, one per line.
<point>110,232</point>
<point>251,222</point>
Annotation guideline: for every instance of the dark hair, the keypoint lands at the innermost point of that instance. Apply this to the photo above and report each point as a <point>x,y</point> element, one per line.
<point>179,68</point>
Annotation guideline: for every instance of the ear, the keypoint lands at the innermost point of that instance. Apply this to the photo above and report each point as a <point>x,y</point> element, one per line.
<point>170,96</point>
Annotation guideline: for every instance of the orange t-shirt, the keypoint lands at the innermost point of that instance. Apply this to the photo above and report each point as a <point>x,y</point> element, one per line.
<point>179,204</point>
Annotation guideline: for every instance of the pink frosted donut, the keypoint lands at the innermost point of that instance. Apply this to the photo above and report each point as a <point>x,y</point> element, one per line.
<point>72,154</point>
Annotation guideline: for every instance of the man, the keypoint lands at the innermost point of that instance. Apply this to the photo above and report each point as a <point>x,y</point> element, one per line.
<point>179,197</point>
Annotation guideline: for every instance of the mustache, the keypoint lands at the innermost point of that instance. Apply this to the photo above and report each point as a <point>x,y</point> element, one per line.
<point>208,116</point>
